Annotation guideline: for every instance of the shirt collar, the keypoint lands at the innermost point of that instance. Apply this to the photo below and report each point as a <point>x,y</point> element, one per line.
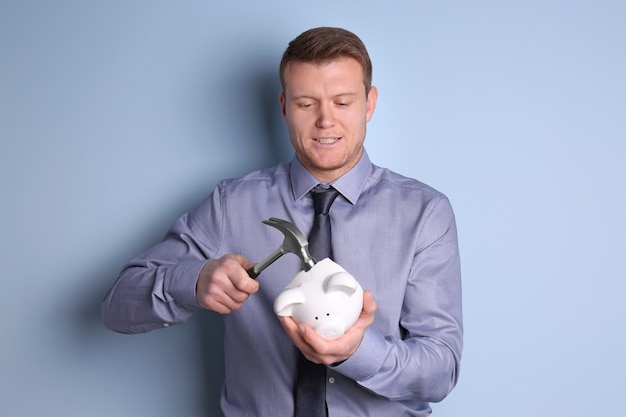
<point>349,185</point>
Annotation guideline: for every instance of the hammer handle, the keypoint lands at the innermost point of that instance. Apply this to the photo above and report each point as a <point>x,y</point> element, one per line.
<point>259,267</point>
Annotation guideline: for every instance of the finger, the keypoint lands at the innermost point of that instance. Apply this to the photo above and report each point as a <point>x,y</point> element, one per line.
<point>289,324</point>
<point>218,287</point>
<point>242,260</point>
<point>244,284</point>
<point>369,304</point>
<point>292,328</point>
<point>236,269</point>
<point>224,298</point>
<point>315,346</point>
<point>295,331</point>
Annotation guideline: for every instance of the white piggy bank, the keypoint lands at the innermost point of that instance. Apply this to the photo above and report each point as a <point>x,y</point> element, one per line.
<point>326,297</point>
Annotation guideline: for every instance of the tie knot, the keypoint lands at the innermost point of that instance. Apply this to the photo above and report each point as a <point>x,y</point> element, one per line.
<point>323,198</point>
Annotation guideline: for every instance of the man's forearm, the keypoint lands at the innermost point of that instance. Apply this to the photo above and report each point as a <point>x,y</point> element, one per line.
<point>147,297</point>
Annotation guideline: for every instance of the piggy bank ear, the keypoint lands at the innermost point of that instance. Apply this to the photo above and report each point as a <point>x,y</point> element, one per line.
<point>341,281</point>
<point>287,300</point>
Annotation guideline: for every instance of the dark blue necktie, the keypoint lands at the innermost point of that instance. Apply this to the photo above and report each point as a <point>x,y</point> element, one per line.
<point>319,238</point>
<point>311,382</point>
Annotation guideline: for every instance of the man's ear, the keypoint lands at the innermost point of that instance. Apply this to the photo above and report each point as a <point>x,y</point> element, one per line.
<point>283,105</point>
<point>372,98</point>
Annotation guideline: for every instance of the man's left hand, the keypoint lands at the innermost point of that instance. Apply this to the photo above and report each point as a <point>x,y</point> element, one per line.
<point>320,350</point>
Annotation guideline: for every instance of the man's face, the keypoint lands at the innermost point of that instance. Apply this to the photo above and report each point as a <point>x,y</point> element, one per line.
<point>326,110</point>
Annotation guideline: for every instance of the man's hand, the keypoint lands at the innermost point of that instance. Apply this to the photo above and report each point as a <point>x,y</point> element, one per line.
<point>223,284</point>
<point>320,350</point>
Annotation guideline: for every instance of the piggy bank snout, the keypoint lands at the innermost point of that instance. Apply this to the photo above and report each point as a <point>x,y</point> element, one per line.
<point>331,329</point>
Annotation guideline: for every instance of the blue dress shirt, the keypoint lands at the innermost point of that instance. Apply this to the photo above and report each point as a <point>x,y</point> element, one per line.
<point>396,235</point>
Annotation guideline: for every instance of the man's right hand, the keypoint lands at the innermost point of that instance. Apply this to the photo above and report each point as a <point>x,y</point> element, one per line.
<point>224,284</point>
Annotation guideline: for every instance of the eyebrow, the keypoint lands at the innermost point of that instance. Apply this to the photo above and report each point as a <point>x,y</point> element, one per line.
<point>306,96</point>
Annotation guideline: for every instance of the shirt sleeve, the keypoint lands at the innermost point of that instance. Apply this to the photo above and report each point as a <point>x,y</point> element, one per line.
<point>158,288</point>
<point>423,362</point>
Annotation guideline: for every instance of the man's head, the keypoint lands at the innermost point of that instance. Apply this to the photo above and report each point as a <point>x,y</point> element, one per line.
<point>327,100</point>
<point>325,44</point>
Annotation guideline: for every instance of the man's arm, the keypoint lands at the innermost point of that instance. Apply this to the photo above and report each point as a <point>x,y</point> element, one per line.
<point>164,285</point>
<point>423,362</point>
<point>156,289</point>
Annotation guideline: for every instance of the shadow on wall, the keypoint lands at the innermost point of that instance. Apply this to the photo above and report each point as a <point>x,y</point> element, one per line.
<point>250,98</point>
<point>211,335</point>
<point>245,103</point>
<point>266,87</point>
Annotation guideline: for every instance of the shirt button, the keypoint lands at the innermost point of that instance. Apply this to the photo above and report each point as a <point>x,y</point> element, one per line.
<point>331,379</point>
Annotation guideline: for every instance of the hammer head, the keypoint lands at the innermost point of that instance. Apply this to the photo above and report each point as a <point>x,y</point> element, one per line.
<point>294,242</point>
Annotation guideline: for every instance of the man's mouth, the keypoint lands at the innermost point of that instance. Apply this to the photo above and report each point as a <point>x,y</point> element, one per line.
<point>326,140</point>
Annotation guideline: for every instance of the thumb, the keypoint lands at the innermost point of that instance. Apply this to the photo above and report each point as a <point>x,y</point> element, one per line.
<point>243,261</point>
<point>369,305</point>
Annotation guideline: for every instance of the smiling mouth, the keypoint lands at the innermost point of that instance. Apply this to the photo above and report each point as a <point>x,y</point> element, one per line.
<point>327,140</point>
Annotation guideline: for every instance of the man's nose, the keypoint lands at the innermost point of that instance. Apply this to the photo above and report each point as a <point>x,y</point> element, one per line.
<point>325,117</point>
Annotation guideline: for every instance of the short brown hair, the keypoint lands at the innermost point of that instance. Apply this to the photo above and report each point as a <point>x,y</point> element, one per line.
<point>325,44</point>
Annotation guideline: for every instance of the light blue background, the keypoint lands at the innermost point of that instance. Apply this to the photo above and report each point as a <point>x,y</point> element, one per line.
<point>118,116</point>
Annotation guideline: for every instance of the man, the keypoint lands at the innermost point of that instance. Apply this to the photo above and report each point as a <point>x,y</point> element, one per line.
<point>395,235</point>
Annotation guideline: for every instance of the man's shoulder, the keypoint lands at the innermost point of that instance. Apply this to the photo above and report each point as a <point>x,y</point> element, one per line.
<point>386,178</point>
<point>278,172</point>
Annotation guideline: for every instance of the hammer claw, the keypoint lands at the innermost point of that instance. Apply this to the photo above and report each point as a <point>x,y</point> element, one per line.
<point>294,242</point>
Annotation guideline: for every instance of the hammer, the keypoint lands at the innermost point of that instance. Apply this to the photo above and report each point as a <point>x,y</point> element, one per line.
<point>294,242</point>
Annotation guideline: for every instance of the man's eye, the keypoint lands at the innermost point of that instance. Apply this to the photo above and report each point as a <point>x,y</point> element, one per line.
<point>343,103</point>
<point>305,105</point>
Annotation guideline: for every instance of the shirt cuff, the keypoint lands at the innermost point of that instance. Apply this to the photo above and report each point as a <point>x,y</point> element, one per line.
<point>182,282</point>
<point>367,359</point>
